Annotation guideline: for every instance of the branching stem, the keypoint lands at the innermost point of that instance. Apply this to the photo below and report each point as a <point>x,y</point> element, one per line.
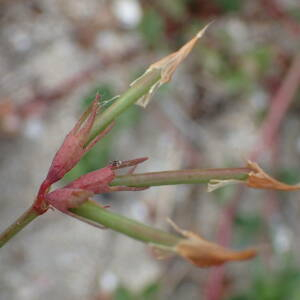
<point>192,176</point>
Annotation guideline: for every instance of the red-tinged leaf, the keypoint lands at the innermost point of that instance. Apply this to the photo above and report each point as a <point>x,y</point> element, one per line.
<point>74,145</point>
<point>96,181</point>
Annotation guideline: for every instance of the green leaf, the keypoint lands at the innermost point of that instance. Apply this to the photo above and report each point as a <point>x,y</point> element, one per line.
<point>123,293</point>
<point>236,81</point>
<point>230,5</point>
<point>152,28</point>
<point>150,292</point>
<point>289,175</point>
<point>276,284</point>
<point>246,227</point>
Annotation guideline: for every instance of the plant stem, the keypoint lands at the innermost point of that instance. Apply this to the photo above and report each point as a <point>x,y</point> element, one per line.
<point>180,177</point>
<point>18,225</point>
<point>127,226</point>
<point>92,211</point>
<point>136,91</point>
<point>132,95</point>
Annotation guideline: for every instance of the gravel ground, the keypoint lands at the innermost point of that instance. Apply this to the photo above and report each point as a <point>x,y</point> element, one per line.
<point>43,43</point>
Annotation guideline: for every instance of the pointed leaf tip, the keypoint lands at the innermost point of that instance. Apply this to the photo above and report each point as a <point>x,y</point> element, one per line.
<point>167,66</point>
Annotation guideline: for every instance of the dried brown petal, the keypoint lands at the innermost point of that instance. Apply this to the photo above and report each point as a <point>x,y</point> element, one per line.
<point>259,179</point>
<point>203,253</point>
<point>206,254</point>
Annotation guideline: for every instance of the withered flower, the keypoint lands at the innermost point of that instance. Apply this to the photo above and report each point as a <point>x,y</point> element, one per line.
<point>203,253</point>
<point>259,179</point>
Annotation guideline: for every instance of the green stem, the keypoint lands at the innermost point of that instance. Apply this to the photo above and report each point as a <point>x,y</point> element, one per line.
<point>17,226</point>
<point>132,95</point>
<point>93,212</point>
<point>127,226</point>
<point>180,177</point>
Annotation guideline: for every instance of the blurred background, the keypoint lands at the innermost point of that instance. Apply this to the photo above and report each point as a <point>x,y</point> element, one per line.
<point>234,98</point>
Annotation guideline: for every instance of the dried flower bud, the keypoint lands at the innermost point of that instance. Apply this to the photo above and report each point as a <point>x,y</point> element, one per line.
<point>203,253</point>
<point>259,179</point>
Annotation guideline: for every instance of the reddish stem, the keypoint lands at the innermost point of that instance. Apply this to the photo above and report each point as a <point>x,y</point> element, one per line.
<point>214,288</point>
<point>279,106</point>
<point>40,206</point>
<point>273,9</point>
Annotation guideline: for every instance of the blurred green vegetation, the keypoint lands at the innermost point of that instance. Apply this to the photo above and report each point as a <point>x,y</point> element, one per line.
<point>280,284</point>
<point>247,228</point>
<point>295,13</point>
<point>149,292</point>
<point>224,195</point>
<point>229,5</point>
<point>152,28</point>
<point>289,175</point>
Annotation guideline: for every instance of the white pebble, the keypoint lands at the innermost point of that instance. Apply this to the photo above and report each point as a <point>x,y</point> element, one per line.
<point>128,12</point>
<point>108,281</point>
<point>33,128</point>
